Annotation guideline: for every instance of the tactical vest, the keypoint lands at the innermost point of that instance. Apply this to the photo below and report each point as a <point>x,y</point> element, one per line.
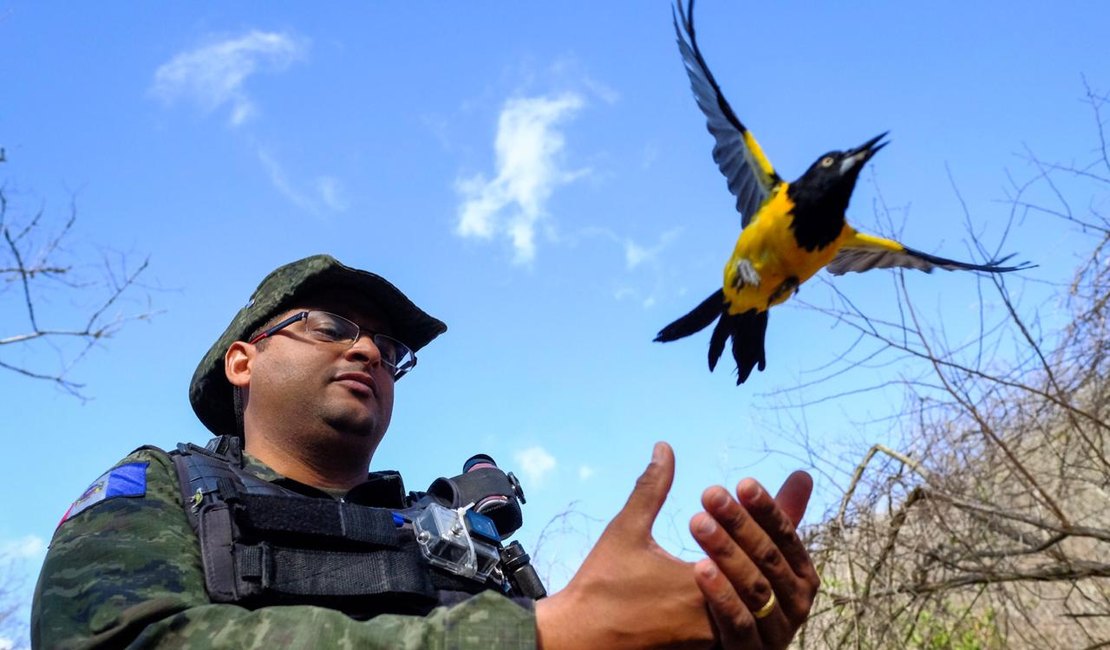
<point>264,544</point>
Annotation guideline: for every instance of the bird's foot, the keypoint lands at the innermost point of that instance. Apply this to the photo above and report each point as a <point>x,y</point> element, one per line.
<point>788,288</point>
<point>745,275</point>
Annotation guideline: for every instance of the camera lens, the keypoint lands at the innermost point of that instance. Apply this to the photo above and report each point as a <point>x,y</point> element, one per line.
<point>478,461</point>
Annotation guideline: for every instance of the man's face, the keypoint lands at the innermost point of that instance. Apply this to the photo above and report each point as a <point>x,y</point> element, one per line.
<point>312,390</point>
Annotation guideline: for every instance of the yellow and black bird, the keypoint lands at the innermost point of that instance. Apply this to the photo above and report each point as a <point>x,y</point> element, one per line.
<point>790,230</point>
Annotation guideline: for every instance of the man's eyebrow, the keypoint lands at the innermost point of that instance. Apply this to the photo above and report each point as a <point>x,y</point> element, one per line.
<point>360,317</point>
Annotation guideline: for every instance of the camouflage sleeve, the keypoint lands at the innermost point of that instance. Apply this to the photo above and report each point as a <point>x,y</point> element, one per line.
<point>124,569</point>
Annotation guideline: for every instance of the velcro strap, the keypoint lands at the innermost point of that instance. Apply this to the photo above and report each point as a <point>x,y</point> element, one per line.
<point>283,571</point>
<point>333,520</point>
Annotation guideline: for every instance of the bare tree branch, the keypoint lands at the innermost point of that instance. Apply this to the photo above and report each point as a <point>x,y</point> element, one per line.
<point>988,526</point>
<point>35,257</point>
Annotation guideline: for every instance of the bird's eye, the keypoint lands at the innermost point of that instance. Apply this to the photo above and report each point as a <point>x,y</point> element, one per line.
<point>827,161</point>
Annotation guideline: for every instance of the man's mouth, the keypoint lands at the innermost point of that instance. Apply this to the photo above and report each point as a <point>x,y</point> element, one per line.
<point>358,382</point>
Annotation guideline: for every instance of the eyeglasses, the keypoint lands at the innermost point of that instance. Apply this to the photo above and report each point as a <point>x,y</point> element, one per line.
<point>330,328</point>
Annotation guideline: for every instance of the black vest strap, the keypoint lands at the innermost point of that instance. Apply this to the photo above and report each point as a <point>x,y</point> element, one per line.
<point>262,544</point>
<point>305,572</point>
<point>331,521</point>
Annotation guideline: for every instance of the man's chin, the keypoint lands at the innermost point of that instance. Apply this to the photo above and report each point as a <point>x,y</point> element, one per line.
<point>356,425</point>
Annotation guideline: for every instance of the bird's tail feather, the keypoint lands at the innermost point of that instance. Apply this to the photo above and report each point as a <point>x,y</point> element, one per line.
<point>717,341</point>
<point>698,319</point>
<point>747,331</point>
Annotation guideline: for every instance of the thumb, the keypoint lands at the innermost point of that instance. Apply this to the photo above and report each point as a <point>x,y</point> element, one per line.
<point>651,490</point>
<point>793,496</point>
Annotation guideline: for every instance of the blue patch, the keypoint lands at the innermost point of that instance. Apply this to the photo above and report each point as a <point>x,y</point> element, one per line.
<point>124,481</point>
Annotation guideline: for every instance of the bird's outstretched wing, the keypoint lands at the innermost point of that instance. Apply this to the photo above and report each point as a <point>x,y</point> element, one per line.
<point>866,252</point>
<point>739,157</point>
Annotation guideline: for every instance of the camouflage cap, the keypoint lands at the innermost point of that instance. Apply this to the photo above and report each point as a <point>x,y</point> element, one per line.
<point>211,394</point>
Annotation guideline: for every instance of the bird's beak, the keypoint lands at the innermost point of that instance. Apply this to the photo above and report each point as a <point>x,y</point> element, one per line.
<point>861,154</point>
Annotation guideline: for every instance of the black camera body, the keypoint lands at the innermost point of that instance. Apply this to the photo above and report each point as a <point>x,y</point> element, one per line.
<point>461,522</point>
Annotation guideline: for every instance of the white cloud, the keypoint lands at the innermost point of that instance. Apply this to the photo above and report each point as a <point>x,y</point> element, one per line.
<point>624,293</point>
<point>25,548</point>
<point>324,191</point>
<point>528,150</point>
<point>585,472</point>
<point>331,193</point>
<point>607,94</point>
<point>214,75</point>
<point>635,254</point>
<point>535,463</point>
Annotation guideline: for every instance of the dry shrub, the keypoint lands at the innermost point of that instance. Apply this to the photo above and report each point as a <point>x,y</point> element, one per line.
<point>989,527</point>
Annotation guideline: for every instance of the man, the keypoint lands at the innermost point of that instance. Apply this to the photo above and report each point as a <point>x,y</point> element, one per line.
<point>273,536</point>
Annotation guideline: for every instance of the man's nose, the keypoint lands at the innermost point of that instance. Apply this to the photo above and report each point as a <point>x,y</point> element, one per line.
<point>365,349</point>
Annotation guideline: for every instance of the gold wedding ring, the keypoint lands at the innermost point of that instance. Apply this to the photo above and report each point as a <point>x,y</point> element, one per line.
<point>766,610</point>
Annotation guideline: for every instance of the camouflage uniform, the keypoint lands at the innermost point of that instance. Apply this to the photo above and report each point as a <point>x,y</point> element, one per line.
<point>124,568</point>
<point>127,572</point>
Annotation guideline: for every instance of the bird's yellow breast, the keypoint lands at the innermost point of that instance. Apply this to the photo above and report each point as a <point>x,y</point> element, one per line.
<point>769,246</point>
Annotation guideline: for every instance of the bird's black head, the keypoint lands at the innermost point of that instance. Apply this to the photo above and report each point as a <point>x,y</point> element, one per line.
<point>821,194</point>
<point>831,179</point>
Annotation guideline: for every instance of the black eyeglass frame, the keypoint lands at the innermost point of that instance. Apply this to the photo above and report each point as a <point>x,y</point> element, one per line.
<point>398,371</point>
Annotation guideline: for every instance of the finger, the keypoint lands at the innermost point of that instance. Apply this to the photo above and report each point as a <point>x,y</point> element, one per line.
<point>650,492</point>
<point>747,557</point>
<point>746,579</point>
<point>795,592</point>
<point>793,496</point>
<point>769,536</point>
<point>775,520</point>
<point>736,627</point>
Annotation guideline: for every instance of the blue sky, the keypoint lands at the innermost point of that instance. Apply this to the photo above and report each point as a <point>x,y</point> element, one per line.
<point>539,177</point>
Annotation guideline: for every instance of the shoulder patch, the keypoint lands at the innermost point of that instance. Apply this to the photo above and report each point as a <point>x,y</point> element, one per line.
<point>124,481</point>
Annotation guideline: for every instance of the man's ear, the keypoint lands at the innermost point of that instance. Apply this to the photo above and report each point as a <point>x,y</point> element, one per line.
<point>237,363</point>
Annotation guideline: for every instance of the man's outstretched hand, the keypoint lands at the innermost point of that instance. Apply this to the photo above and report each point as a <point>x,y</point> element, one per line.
<point>758,579</point>
<point>630,593</point>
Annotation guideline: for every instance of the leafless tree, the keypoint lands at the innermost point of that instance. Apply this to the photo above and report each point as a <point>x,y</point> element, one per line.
<point>988,524</point>
<point>58,300</point>
<point>13,632</point>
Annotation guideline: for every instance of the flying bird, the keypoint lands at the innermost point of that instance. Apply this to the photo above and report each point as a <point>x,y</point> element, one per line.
<point>790,230</point>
